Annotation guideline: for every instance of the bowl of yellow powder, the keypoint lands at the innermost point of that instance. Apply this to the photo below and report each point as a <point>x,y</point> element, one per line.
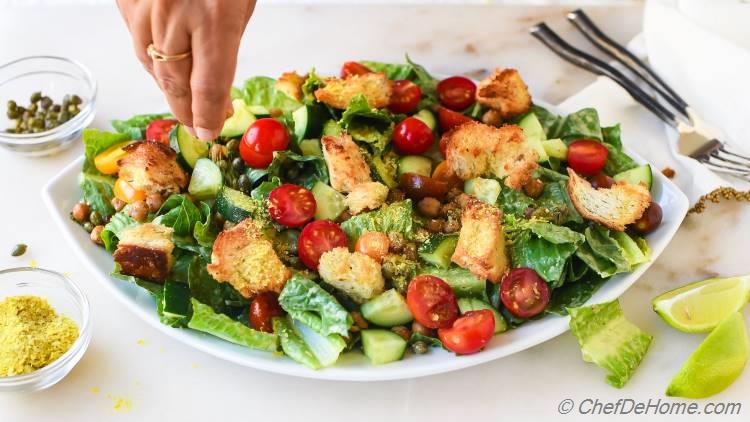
<point>44,328</point>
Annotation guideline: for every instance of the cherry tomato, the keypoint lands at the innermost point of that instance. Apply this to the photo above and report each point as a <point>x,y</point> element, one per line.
<point>431,301</point>
<point>587,156</point>
<point>524,293</point>
<point>417,187</point>
<point>263,308</point>
<point>601,180</point>
<point>443,173</point>
<point>291,205</point>
<point>158,130</point>
<point>405,97</point>
<point>125,192</point>
<point>456,92</point>
<point>107,160</point>
<point>650,220</point>
<point>373,244</point>
<point>448,119</point>
<point>412,136</point>
<point>353,68</point>
<point>318,238</point>
<point>260,141</point>
<point>470,333</point>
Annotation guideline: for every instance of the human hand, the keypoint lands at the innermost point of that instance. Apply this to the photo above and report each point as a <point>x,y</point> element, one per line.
<point>197,87</point>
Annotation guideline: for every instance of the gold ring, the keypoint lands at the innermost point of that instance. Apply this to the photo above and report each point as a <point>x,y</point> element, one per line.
<point>161,57</point>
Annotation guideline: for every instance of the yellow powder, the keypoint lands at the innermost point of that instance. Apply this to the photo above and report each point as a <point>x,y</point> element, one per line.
<point>32,335</point>
<point>120,404</point>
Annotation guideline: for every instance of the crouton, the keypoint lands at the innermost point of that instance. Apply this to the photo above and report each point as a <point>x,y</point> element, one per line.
<point>290,83</point>
<point>504,91</point>
<point>337,93</point>
<point>145,251</point>
<point>152,167</point>
<point>242,257</point>
<point>615,208</point>
<point>475,149</point>
<point>355,274</point>
<point>481,241</point>
<point>347,167</point>
<point>366,196</point>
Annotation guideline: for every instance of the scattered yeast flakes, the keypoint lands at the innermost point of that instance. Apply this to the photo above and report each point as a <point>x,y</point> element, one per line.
<point>141,342</point>
<point>95,390</point>
<point>33,263</point>
<point>120,404</point>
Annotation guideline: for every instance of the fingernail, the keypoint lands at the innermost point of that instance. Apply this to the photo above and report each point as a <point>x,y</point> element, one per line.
<point>205,134</point>
<point>190,130</point>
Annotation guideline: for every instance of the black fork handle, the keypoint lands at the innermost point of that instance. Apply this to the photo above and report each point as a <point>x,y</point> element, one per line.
<point>586,61</point>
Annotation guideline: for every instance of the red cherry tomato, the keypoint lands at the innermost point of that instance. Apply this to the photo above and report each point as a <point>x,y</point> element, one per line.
<point>263,308</point>
<point>318,238</point>
<point>449,119</point>
<point>291,205</point>
<point>260,141</point>
<point>470,333</point>
<point>158,130</point>
<point>353,68</point>
<point>601,180</point>
<point>650,220</point>
<point>405,97</point>
<point>524,293</point>
<point>456,92</point>
<point>431,301</point>
<point>373,244</point>
<point>587,156</point>
<point>412,136</point>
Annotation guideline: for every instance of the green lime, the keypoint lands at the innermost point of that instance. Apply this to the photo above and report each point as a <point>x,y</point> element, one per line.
<point>701,306</point>
<point>716,363</point>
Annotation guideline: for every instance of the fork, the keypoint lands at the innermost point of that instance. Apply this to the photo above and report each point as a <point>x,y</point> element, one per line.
<point>694,141</point>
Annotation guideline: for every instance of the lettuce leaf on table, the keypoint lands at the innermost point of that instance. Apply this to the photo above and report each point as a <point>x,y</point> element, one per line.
<point>395,217</point>
<point>206,320</point>
<point>309,303</point>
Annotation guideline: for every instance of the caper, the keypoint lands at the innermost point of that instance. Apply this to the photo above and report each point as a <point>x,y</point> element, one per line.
<point>244,183</point>
<point>75,99</point>
<point>238,165</point>
<point>419,347</point>
<point>40,115</point>
<point>223,165</point>
<point>12,105</point>
<point>66,101</point>
<point>46,102</point>
<point>233,145</point>
<point>33,108</point>
<point>56,108</point>
<point>36,97</point>
<point>18,250</point>
<point>63,117</point>
<point>71,109</point>
<point>88,226</point>
<point>95,217</point>
<point>13,113</point>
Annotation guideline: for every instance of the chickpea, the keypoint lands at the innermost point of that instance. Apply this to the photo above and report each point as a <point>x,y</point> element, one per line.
<point>402,331</point>
<point>138,210</point>
<point>534,188</point>
<point>435,225</point>
<point>359,320</point>
<point>96,235</point>
<point>154,202</point>
<point>118,204</point>
<point>429,207</point>
<point>81,212</point>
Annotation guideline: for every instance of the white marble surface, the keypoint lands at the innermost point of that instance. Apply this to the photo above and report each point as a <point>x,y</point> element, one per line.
<point>159,379</point>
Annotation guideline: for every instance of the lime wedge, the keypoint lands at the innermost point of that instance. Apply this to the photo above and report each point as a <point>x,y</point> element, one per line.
<point>716,363</point>
<point>701,306</point>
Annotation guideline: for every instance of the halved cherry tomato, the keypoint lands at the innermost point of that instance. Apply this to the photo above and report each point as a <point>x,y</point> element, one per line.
<point>443,173</point>
<point>412,136</point>
<point>405,96</point>
<point>431,301</point>
<point>317,238</point>
<point>260,141</point>
<point>469,333</point>
<point>158,130</point>
<point>353,68</point>
<point>373,244</point>
<point>456,92</point>
<point>650,220</point>
<point>416,186</point>
<point>587,156</point>
<point>106,161</point>
<point>263,309</point>
<point>601,180</point>
<point>291,205</point>
<point>448,119</point>
<point>524,293</point>
<point>125,192</point>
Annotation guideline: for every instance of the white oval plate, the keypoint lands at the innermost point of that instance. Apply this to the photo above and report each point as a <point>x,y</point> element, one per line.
<point>63,192</point>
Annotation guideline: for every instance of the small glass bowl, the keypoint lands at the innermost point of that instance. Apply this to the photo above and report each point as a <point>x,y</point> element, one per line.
<point>66,298</point>
<point>55,77</point>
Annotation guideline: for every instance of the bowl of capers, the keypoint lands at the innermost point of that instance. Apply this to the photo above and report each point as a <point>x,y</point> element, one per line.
<point>45,103</point>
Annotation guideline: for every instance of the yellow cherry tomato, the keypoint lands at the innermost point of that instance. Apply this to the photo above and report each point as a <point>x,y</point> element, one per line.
<point>106,161</point>
<point>125,192</point>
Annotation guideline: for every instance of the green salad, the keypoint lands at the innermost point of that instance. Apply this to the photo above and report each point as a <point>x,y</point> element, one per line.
<point>383,211</point>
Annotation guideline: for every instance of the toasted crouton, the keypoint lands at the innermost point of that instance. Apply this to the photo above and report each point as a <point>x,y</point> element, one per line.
<point>152,167</point>
<point>242,257</point>
<point>347,167</point>
<point>504,91</point>
<point>290,83</point>
<point>481,241</point>
<point>475,150</point>
<point>145,251</point>
<point>337,93</point>
<point>355,274</point>
<point>366,196</point>
<point>616,207</point>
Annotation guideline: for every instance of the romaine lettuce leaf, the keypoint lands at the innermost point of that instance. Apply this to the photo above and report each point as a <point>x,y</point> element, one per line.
<point>572,294</point>
<point>514,202</point>
<point>306,301</point>
<point>303,170</point>
<point>550,122</point>
<point>412,72</point>
<point>261,91</point>
<point>135,127</point>
<point>221,297</point>
<point>608,340</point>
<point>264,189</point>
<point>399,270</point>
<point>98,191</point>
<point>325,348</point>
<point>548,259</point>
<point>206,320</point>
<point>203,231</point>
<point>119,222</point>
<point>293,345</point>
<point>617,160</point>
<point>366,124</point>
<point>555,204</point>
<point>395,217</point>
<point>583,124</point>
<point>180,213</point>
<point>311,84</point>
<point>603,245</point>
<point>155,289</point>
